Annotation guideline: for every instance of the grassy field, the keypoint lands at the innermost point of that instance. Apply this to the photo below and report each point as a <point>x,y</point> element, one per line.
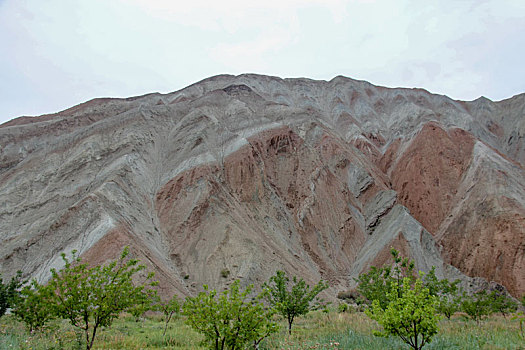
<point>317,330</point>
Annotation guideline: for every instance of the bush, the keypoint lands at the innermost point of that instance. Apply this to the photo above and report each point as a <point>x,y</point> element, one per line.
<point>449,300</point>
<point>351,297</point>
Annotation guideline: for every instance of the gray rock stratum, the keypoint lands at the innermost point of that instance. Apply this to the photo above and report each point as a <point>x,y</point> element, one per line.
<point>254,173</point>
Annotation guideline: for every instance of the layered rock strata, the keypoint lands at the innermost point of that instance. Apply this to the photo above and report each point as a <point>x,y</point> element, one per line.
<point>251,174</point>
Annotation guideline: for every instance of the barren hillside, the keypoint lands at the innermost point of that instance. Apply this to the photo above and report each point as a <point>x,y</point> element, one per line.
<point>254,173</point>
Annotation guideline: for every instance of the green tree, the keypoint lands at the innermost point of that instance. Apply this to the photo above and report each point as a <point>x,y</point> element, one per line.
<point>92,297</point>
<point>33,307</point>
<point>501,302</point>
<point>448,304</point>
<point>410,315</point>
<point>145,302</point>
<point>377,283</point>
<point>170,308</point>
<point>449,299</point>
<point>292,300</point>
<point>9,291</point>
<point>477,306</point>
<point>231,319</point>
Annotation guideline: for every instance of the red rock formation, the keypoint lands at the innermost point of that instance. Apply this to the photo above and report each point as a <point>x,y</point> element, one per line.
<point>427,174</point>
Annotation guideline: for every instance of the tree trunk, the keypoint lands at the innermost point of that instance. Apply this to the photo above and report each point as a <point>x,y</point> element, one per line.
<point>89,344</point>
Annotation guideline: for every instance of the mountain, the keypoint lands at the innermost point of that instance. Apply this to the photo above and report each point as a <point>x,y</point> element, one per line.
<point>238,176</point>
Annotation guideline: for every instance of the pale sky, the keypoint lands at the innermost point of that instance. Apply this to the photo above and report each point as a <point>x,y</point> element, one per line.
<point>58,53</point>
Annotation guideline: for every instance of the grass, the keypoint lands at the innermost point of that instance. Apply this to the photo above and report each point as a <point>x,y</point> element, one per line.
<point>354,331</point>
<point>317,330</point>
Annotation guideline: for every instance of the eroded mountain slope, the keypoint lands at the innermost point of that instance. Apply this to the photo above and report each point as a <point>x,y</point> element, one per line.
<point>249,174</point>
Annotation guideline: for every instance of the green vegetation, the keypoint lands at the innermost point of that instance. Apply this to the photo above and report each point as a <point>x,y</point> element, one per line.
<point>316,330</point>
<point>170,308</point>
<point>80,303</point>
<point>225,273</point>
<point>410,315</point>
<point>32,306</point>
<point>501,303</point>
<point>8,292</point>
<point>294,300</point>
<point>482,304</point>
<point>477,306</point>
<point>94,297</point>
<point>378,283</point>
<point>231,319</point>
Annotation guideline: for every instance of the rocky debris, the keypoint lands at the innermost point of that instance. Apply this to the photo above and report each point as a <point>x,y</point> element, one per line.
<point>252,174</point>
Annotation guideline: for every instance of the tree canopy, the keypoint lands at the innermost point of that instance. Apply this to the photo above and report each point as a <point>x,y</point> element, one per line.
<point>292,299</point>
<point>92,297</point>
<point>410,315</point>
<point>231,319</point>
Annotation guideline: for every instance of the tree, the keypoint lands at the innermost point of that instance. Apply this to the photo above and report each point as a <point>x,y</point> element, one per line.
<point>9,291</point>
<point>449,299</point>
<point>92,297</point>
<point>501,302</point>
<point>477,306</point>
<point>379,282</point>
<point>294,300</point>
<point>145,302</point>
<point>410,315</point>
<point>169,309</point>
<point>32,306</point>
<point>448,304</point>
<point>231,319</point>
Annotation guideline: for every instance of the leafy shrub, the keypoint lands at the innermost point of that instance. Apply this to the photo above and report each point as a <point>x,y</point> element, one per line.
<point>170,308</point>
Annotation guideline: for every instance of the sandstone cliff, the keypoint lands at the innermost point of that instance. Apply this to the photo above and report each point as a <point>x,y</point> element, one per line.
<point>253,173</point>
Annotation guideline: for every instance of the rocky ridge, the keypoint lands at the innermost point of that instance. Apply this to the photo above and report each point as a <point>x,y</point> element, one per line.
<point>253,173</point>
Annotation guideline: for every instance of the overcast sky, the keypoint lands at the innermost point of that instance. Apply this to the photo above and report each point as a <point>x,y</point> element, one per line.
<point>57,53</point>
